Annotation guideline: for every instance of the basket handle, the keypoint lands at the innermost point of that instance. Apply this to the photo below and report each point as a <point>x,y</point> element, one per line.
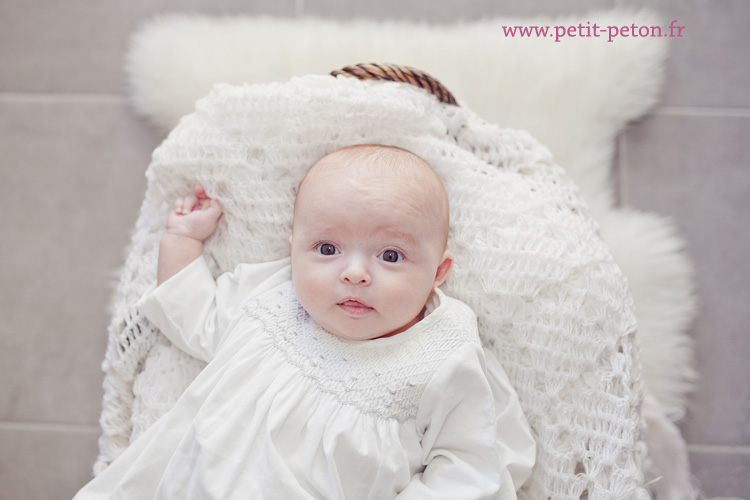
<point>399,73</point>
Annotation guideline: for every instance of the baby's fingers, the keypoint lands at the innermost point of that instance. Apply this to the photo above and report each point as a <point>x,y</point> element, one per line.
<point>184,206</point>
<point>211,209</point>
<point>179,205</point>
<point>213,205</point>
<point>200,193</point>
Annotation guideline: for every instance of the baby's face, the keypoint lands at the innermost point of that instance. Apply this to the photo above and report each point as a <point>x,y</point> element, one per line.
<point>365,258</point>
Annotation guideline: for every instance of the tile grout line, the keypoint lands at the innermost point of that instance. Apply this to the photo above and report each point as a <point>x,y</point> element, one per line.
<point>702,111</point>
<point>715,448</point>
<point>41,97</point>
<point>49,427</point>
<point>622,166</point>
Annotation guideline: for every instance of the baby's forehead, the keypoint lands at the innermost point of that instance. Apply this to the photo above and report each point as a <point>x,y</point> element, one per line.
<point>381,174</point>
<point>382,187</point>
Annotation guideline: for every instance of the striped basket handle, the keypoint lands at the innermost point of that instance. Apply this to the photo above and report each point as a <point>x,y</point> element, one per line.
<point>399,73</point>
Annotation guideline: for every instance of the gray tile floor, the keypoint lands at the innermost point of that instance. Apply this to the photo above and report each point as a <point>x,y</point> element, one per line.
<point>72,157</point>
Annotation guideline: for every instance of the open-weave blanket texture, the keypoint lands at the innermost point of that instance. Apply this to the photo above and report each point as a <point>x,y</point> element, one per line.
<point>551,302</point>
<point>575,96</point>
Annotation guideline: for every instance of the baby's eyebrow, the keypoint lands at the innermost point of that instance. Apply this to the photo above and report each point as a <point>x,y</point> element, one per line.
<point>401,236</point>
<point>318,230</point>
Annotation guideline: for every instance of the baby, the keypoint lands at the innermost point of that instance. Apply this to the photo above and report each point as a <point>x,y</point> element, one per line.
<point>343,372</point>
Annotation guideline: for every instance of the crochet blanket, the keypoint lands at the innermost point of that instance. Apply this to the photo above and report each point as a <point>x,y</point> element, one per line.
<point>541,95</point>
<point>551,302</point>
<point>575,96</point>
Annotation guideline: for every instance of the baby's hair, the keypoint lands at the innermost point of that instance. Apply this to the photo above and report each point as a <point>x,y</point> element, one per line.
<point>379,156</point>
<point>376,160</point>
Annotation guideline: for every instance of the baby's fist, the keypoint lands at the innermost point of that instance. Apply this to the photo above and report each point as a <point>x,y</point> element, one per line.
<point>195,216</point>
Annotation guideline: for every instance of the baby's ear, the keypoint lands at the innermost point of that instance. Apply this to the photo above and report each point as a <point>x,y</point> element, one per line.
<point>443,269</point>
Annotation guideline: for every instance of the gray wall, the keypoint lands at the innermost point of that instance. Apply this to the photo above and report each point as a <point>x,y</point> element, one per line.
<point>72,156</point>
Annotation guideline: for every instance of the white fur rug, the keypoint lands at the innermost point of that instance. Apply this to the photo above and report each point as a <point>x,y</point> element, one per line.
<point>575,96</point>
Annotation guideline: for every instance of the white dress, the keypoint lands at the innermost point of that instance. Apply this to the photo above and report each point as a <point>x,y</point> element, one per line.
<point>284,410</point>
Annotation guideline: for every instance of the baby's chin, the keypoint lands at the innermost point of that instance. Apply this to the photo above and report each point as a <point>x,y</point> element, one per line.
<point>367,335</point>
<point>365,328</point>
<point>356,336</point>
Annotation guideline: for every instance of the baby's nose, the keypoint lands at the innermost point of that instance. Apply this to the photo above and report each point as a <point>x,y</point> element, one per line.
<point>355,273</point>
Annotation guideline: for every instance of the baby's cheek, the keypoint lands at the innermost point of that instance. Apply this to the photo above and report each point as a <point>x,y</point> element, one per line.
<point>309,288</point>
<point>416,295</point>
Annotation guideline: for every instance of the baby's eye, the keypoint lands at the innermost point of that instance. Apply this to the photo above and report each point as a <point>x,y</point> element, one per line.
<point>327,249</point>
<point>392,256</point>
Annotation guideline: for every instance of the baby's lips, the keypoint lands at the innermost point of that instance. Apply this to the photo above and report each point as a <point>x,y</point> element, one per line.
<point>352,301</point>
<point>354,306</point>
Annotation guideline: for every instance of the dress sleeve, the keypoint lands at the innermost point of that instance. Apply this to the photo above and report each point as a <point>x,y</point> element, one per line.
<point>456,417</point>
<point>515,442</point>
<point>193,310</point>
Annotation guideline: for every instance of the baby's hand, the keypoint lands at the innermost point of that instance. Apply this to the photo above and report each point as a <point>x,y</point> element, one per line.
<point>195,216</point>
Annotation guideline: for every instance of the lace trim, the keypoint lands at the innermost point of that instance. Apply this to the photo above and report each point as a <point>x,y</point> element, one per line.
<point>385,380</point>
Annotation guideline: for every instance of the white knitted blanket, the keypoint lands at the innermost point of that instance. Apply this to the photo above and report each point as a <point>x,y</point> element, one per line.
<point>575,96</point>
<point>551,302</point>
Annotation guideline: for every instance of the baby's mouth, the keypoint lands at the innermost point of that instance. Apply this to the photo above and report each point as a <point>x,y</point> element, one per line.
<point>355,307</point>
